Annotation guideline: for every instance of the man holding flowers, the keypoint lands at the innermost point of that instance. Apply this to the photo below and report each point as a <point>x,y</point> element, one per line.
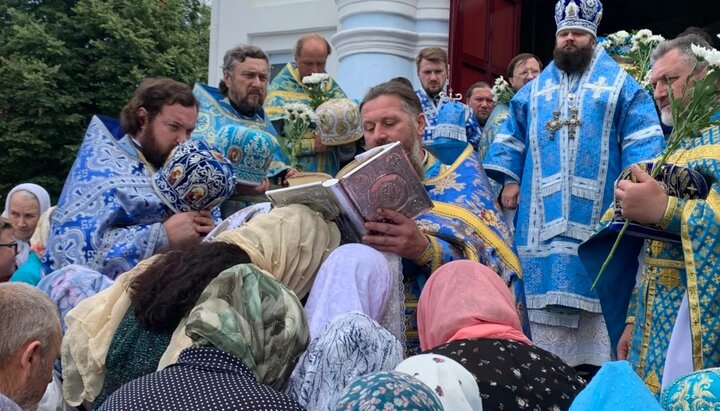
<point>672,326</point>
<point>306,82</point>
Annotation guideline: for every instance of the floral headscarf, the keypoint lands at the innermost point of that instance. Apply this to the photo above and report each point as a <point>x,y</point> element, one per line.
<point>247,313</point>
<point>452,383</point>
<point>388,391</point>
<point>72,284</point>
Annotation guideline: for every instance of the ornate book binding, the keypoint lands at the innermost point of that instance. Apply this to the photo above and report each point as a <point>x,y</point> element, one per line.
<point>380,178</point>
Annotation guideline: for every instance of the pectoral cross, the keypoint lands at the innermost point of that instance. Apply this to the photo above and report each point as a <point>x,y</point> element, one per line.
<point>573,122</point>
<point>555,124</point>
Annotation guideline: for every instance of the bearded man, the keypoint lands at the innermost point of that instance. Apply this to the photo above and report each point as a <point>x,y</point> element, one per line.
<point>239,100</point>
<point>569,134</point>
<point>109,217</point>
<point>464,222</point>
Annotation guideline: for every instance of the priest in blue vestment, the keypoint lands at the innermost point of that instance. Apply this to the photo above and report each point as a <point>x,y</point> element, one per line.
<point>109,217</point>
<point>568,135</point>
<point>464,222</point>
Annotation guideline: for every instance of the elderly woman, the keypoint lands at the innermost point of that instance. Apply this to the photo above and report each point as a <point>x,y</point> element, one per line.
<point>23,206</point>
<point>467,313</point>
<point>248,330</point>
<point>355,298</point>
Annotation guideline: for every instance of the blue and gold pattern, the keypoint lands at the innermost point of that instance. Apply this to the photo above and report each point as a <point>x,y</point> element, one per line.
<point>699,390</point>
<point>216,112</point>
<point>249,150</point>
<point>195,177</point>
<point>671,270</point>
<point>463,224</point>
<point>108,217</point>
<point>582,15</point>
<point>567,179</point>
<point>287,87</point>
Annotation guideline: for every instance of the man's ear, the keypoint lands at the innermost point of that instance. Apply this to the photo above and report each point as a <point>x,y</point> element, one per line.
<point>28,358</point>
<point>142,116</point>
<point>421,123</point>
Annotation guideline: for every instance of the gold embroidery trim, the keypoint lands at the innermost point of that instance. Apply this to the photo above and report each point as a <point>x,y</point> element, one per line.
<point>465,216</point>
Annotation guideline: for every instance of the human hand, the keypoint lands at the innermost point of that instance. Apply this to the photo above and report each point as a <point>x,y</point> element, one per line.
<point>509,196</point>
<point>253,190</point>
<point>187,229</point>
<point>643,202</point>
<point>283,179</point>
<point>623,347</point>
<point>319,146</point>
<point>398,234</point>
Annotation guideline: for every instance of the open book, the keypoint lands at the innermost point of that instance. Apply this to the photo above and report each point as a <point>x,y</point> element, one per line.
<point>382,177</point>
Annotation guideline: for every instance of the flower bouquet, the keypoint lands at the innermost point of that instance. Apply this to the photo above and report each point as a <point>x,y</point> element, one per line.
<point>692,112</point>
<point>633,51</point>
<point>502,91</point>
<point>297,122</point>
<point>316,83</point>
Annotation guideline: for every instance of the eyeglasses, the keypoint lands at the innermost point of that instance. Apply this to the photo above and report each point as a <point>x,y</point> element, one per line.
<point>13,245</point>
<point>523,74</point>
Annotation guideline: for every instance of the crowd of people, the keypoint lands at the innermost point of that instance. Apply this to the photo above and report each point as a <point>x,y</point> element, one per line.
<point>163,279</point>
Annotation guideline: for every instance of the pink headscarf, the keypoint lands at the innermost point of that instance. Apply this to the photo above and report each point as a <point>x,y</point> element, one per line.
<point>464,299</point>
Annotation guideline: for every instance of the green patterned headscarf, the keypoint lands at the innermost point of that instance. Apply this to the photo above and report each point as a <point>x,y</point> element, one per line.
<point>247,313</point>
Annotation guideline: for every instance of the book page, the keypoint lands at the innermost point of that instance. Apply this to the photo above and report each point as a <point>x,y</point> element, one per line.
<point>313,195</point>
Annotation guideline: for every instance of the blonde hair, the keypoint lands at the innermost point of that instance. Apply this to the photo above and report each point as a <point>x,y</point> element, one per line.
<point>433,54</point>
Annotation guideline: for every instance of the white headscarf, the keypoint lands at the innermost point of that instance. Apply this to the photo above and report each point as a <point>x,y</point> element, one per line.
<point>453,384</point>
<point>42,196</point>
<point>354,277</point>
<point>43,199</point>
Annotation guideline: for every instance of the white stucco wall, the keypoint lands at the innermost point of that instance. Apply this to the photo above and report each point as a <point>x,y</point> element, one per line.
<point>373,40</point>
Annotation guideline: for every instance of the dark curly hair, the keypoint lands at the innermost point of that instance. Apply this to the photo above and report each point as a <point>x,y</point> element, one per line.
<point>168,289</point>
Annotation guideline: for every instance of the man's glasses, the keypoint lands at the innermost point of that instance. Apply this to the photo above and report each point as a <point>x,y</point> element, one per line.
<point>13,245</point>
<point>524,74</point>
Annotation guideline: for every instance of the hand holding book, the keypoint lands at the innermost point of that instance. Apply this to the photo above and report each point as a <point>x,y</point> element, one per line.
<point>396,234</point>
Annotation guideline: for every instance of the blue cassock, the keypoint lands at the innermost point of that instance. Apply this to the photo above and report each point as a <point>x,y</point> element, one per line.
<point>567,178</point>
<point>472,128</point>
<point>108,217</point>
<point>216,111</point>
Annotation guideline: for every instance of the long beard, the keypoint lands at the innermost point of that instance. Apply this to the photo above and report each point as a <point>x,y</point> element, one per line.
<point>573,61</point>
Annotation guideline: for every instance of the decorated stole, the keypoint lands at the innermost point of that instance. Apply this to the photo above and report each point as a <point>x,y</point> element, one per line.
<point>464,214</point>
<point>216,112</point>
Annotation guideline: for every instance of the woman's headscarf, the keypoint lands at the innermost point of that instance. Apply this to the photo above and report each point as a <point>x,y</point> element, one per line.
<point>464,299</point>
<point>40,193</point>
<point>288,242</point>
<point>354,277</point>
<point>43,199</point>
<point>388,391</point>
<point>245,312</point>
<point>70,285</point>
<point>616,387</point>
<point>351,346</point>
<point>452,383</point>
